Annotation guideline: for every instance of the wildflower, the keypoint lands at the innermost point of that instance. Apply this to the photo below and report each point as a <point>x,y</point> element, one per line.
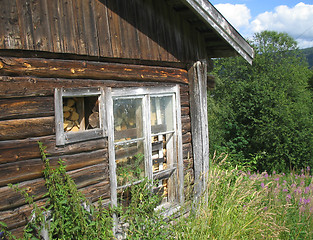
<point>306,190</point>
<point>308,168</point>
<point>262,185</point>
<point>274,172</point>
<point>285,190</point>
<point>284,175</point>
<point>276,179</point>
<point>288,197</point>
<point>265,208</point>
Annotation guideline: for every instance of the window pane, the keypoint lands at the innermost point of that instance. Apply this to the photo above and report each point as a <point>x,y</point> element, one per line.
<point>161,114</point>
<point>130,165</point>
<point>127,119</point>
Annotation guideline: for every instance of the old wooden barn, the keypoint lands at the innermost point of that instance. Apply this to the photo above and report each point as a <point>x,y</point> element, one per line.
<point>116,88</point>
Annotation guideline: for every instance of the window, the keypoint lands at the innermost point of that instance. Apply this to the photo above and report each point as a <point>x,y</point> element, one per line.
<point>79,114</point>
<point>144,131</point>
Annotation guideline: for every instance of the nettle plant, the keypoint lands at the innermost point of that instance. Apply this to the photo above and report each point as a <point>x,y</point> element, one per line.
<point>67,214</point>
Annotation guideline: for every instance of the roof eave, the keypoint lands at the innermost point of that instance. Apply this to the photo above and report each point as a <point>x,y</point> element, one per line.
<point>215,20</point>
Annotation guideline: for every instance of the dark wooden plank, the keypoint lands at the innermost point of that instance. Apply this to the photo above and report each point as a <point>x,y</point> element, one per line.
<point>26,107</point>
<point>115,30</point>
<point>90,31</point>
<point>186,137</point>
<point>57,42</point>
<point>185,111</point>
<point>94,70</point>
<point>10,37</point>
<point>83,177</point>
<point>30,86</point>
<point>23,128</point>
<point>19,150</point>
<point>104,37</point>
<point>41,31</point>
<point>29,169</point>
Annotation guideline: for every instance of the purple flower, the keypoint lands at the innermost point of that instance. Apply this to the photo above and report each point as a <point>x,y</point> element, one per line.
<point>262,185</point>
<point>288,197</point>
<point>276,179</point>
<point>307,189</point>
<point>274,172</point>
<point>285,190</point>
<point>293,185</point>
<point>265,208</point>
<point>308,168</point>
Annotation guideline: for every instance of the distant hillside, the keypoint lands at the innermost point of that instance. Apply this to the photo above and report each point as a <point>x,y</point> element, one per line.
<point>308,52</point>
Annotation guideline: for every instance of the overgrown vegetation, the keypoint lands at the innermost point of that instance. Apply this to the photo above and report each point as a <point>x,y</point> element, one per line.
<point>67,214</point>
<point>262,115</point>
<point>235,205</point>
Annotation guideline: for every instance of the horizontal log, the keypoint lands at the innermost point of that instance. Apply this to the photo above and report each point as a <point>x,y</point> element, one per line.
<point>11,87</point>
<point>18,217</point>
<point>186,137</point>
<point>26,107</point>
<point>83,177</point>
<point>184,100</point>
<point>29,169</point>
<point>24,128</point>
<point>94,192</point>
<point>185,110</point>
<point>19,150</point>
<point>187,151</point>
<point>58,68</point>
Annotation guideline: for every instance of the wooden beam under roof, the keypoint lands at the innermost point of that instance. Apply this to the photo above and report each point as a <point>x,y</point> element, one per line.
<point>215,20</point>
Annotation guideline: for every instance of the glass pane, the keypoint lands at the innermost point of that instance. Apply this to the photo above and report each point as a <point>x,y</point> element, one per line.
<point>130,165</point>
<point>127,119</point>
<point>159,153</point>
<point>161,114</point>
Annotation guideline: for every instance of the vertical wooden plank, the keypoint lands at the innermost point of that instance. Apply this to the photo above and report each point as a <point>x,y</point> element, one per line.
<point>58,106</point>
<point>67,27</point>
<point>54,23</point>
<point>115,28</point>
<point>104,37</point>
<point>147,134</point>
<point>79,28</point>
<point>10,29</point>
<point>199,124</point>
<point>41,29</point>
<point>90,27</point>
<point>180,162</point>
<point>143,40</point>
<point>111,150</point>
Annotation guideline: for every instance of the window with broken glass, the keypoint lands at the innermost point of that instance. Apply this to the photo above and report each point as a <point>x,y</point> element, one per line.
<point>79,114</point>
<point>145,141</point>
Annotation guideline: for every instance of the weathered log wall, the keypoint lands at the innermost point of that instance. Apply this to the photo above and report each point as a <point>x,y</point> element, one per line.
<point>132,29</point>
<point>27,116</point>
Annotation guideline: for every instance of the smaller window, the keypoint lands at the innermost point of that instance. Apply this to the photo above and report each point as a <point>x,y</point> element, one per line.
<point>79,114</point>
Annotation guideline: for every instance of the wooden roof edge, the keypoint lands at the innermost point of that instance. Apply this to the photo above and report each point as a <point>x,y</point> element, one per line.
<point>215,20</point>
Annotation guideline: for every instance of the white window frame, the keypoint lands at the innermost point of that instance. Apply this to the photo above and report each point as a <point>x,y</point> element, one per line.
<point>177,167</point>
<point>63,137</point>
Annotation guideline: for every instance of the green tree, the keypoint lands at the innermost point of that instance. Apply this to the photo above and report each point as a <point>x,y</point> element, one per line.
<point>264,111</point>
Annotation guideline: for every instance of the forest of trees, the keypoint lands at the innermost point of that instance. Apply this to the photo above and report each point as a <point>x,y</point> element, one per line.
<point>262,115</point>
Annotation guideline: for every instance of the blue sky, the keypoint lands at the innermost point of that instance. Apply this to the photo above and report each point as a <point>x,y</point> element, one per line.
<point>250,16</point>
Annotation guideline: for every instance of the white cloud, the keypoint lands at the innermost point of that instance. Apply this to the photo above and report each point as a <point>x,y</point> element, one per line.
<point>296,21</point>
<point>237,14</point>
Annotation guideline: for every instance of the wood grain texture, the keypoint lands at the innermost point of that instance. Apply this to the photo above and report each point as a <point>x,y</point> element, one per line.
<point>23,128</point>
<point>26,107</point>
<point>134,29</point>
<point>91,70</point>
<point>83,177</point>
<point>29,169</point>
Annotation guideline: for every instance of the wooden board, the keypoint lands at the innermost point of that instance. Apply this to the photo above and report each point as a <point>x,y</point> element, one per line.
<point>29,169</point>
<point>23,128</point>
<point>91,70</point>
<point>26,107</point>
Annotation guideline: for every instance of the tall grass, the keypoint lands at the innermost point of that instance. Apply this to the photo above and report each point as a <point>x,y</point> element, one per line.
<point>241,205</point>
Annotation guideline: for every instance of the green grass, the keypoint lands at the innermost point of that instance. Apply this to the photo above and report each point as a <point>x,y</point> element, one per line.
<point>241,205</point>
